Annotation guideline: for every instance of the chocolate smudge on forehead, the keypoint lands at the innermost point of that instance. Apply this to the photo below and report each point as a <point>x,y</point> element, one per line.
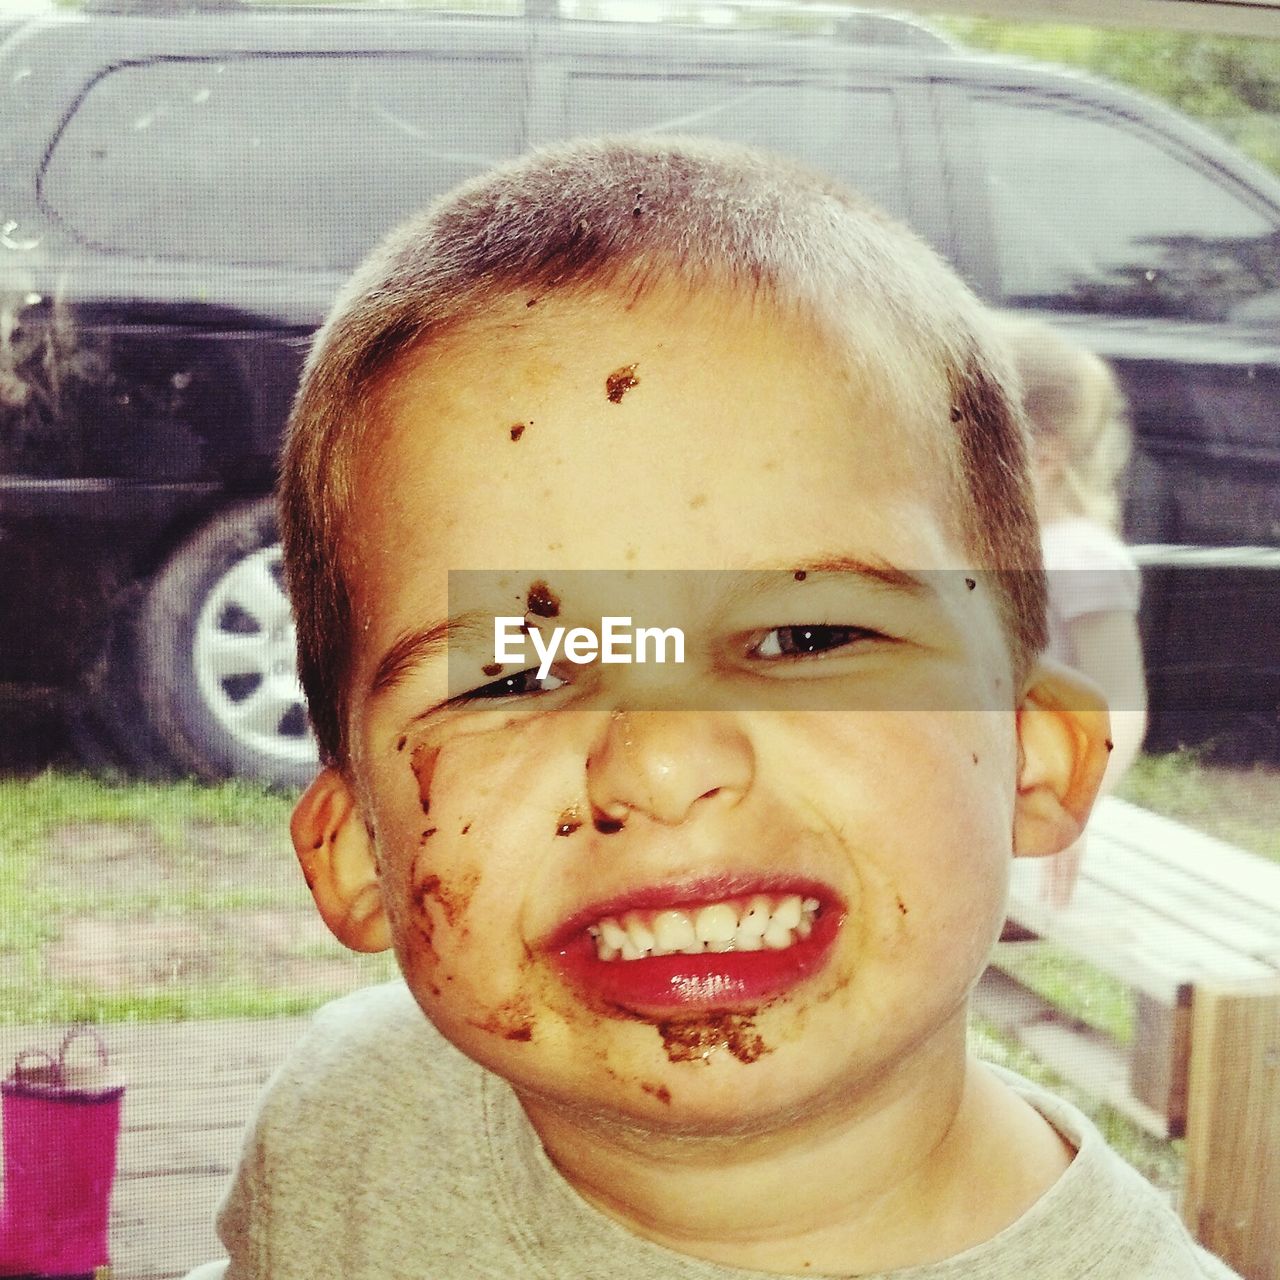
<point>619,382</point>
<point>541,601</point>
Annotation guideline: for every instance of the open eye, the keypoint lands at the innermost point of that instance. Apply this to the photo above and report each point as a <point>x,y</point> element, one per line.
<point>516,685</point>
<point>808,639</point>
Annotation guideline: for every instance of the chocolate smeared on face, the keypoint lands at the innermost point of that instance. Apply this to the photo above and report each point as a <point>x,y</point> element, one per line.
<point>698,1039</point>
<point>423,763</point>
<point>568,822</point>
<point>541,601</point>
<point>619,382</point>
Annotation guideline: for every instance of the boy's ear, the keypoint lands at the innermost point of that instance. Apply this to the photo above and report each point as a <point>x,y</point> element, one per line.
<point>1064,742</point>
<point>336,853</point>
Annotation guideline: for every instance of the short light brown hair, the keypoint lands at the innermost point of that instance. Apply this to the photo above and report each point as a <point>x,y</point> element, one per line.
<point>623,213</point>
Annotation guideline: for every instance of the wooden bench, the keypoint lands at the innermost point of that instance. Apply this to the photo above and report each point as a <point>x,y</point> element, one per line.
<point>1191,926</point>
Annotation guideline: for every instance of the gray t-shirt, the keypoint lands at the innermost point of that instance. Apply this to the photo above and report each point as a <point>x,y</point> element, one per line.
<point>379,1151</point>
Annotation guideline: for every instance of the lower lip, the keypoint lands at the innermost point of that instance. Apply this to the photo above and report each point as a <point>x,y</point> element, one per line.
<point>724,980</point>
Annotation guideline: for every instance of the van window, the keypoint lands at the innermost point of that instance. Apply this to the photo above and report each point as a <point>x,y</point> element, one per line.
<point>1093,214</point>
<point>196,158</point>
<point>852,134</point>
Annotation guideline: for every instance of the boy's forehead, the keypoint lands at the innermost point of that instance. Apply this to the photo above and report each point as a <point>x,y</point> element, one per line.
<point>678,430</point>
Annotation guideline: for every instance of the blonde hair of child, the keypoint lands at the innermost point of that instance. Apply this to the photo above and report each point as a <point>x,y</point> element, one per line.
<point>1074,405</point>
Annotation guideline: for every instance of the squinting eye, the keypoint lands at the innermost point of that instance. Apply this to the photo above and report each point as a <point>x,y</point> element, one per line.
<point>514,686</point>
<point>784,642</point>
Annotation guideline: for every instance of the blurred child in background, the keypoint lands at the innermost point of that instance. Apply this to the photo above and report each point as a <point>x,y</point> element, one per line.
<point>1080,445</point>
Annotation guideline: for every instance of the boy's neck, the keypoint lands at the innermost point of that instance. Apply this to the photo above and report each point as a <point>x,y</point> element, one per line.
<point>928,1164</point>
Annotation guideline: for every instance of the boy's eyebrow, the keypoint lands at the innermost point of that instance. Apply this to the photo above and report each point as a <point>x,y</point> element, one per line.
<point>426,642</point>
<point>885,574</point>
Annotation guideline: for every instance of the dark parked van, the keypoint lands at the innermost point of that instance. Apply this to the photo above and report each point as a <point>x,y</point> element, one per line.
<point>180,197</point>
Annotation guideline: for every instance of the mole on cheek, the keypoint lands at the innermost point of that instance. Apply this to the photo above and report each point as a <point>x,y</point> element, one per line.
<point>423,763</point>
<point>517,430</point>
<point>541,601</point>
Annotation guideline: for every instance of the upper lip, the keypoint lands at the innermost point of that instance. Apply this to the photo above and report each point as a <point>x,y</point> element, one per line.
<point>691,892</point>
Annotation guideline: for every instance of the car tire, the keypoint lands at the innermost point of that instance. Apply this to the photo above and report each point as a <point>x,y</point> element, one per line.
<point>214,656</point>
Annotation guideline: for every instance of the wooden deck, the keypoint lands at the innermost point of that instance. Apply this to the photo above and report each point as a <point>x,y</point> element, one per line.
<point>1187,923</point>
<point>190,1089</point>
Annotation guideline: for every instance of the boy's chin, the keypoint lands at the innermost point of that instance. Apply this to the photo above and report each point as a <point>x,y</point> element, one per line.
<point>724,1073</point>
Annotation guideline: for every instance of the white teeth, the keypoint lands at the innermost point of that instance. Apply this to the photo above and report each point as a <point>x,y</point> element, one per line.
<point>755,920</point>
<point>716,927</point>
<point>630,951</point>
<point>787,913</point>
<point>638,930</point>
<point>716,923</point>
<point>672,931</point>
<point>613,934</point>
<point>777,936</point>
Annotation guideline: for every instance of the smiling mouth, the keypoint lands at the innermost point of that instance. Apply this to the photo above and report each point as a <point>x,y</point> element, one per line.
<point>668,953</point>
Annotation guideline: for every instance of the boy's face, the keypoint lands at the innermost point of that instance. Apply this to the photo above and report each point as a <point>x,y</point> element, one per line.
<point>505,829</point>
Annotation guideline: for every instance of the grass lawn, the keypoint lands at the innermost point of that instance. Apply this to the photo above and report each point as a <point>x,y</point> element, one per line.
<point>137,901</point>
<point>144,901</point>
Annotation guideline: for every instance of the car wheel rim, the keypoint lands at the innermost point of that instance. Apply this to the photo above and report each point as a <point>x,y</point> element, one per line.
<point>244,654</point>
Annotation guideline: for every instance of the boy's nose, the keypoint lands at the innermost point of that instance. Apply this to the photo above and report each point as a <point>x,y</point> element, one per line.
<point>668,765</point>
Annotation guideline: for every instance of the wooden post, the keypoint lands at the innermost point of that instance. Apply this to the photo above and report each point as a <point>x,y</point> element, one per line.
<point>1231,1196</point>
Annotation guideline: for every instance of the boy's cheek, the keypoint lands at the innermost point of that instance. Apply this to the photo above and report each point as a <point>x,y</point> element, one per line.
<point>467,833</point>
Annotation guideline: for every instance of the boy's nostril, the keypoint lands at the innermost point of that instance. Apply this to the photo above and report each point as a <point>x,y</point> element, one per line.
<point>606,825</point>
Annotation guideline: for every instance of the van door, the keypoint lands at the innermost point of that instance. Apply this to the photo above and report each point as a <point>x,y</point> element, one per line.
<point>1159,248</point>
<point>851,112</point>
